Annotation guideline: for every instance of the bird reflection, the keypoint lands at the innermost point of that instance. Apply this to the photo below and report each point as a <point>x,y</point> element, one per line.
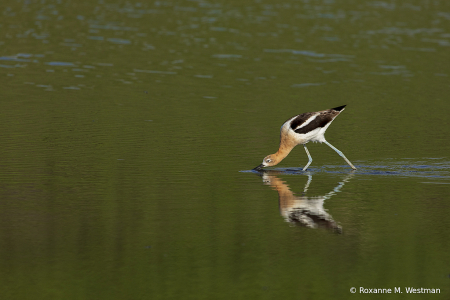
<point>303,210</point>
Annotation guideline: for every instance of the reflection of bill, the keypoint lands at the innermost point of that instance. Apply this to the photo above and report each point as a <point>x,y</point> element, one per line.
<point>303,210</point>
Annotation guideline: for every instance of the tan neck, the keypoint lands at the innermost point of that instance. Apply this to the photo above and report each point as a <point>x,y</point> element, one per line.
<point>283,151</point>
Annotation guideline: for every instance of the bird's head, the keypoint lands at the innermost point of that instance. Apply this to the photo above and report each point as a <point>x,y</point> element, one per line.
<point>268,161</point>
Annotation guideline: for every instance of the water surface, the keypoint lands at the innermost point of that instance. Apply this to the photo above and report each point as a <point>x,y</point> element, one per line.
<point>129,130</point>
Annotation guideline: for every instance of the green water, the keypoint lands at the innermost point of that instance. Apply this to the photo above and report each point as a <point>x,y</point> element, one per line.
<point>129,129</point>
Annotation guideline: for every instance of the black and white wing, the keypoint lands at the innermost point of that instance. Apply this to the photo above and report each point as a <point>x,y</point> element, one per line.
<point>307,122</point>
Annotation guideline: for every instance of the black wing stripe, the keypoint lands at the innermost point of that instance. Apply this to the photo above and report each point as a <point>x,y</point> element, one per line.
<point>300,119</point>
<point>320,121</point>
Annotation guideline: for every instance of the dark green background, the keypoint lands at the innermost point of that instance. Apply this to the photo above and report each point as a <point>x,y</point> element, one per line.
<point>125,126</point>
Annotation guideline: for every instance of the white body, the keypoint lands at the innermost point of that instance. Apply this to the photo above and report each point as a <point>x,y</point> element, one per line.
<point>316,135</point>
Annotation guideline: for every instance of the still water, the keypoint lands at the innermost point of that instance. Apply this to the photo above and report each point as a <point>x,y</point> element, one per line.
<point>130,128</point>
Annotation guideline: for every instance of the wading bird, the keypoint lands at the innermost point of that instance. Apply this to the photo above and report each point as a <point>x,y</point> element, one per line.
<point>301,129</point>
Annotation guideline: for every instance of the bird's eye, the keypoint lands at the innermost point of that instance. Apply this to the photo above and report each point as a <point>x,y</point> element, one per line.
<point>268,160</point>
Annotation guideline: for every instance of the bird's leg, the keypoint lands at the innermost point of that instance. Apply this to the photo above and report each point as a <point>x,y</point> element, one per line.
<point>340,154</point>
<point>307,185</point>
<point>309,156</point>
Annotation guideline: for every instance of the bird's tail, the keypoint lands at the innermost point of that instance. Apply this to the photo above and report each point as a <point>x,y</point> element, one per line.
<point>339,108</point>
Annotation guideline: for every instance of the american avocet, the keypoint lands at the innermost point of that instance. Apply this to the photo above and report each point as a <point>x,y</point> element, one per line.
<point>301,129</point>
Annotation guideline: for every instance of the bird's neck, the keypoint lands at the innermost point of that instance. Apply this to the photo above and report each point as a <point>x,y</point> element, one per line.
<point>283,151</point>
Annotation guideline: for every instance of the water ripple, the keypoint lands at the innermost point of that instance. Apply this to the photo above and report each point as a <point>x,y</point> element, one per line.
<point>431,168</point>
